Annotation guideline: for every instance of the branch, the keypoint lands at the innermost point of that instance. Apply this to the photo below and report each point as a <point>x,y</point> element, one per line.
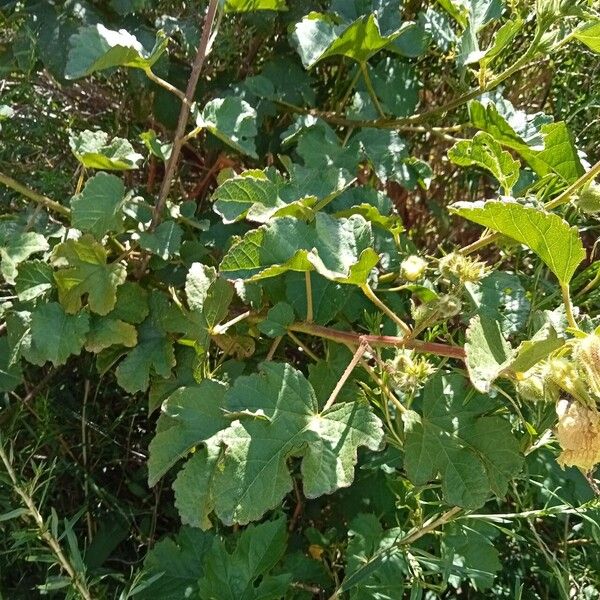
<point>349,337</point>
<point>38,198</point>
<point>184,113</point>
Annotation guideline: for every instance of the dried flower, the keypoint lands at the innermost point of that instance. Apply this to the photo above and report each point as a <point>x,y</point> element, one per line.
<point>413,268</point>
<point>578,433</point>
<point>565,374</point>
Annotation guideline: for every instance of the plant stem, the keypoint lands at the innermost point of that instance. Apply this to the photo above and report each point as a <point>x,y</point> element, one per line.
<point>389,341</point>
<point>302,346</point>
<point>39,198</point>
<point>165,84</point>
<point>370,294</point>
<point>340,384</point>
<point>566,294</point>
<point>367,79</point>
<point>309,297</point>
<point>563,198</point>
<point>219,329</point>
<point>48,538</point>
<point>429,526</point>
<point>178,140</point>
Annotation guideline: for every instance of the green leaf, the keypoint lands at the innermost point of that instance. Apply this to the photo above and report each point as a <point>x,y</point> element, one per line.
<point>178,565</point>
<point>185,421</point>
<point>164,241</point>
<point>56,335</point>
<point>276,416</point>
<point>232,6</point>
<point>278,319</point>
<point>197,284</point>
<point>105,332</point>
<point>132,303</point>
<point>233,121</point>
<point>483,151</point>
<point>94,151</point>
<point>473,454</point>
<point>87,274</point>
<point>34,279</point>
<point>338,249</point>
<point>16,248</point>
<point>96,48</point>
<point>10,372</point>
<point>547,234</point>
<point>243,574</point>
<point>375,568</point>
<point>157,148</point>
<point>472,552</point>
<point>590,35</point>
<point>154,352</point>
<point>98,208</point>
<point>317,37</point>
<point>487,351</point>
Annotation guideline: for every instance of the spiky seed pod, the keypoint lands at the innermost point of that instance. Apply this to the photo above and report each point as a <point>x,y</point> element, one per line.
<point>464,268</point>
<point>588,200</point>
<point>587,355</point>
<point>578,433</point>
<point>448,306</point>
<point>535,385</point>
<point>413,268</point>
<point>565,374</point>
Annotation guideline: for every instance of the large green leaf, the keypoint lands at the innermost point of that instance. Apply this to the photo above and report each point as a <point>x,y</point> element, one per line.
<point>233,121</point>
<point>105,332</point>
<point>590,35</point>
<point>251,5</point>
<point>86,274</point>
<point>35,278</point>
<point>96,48</point>
<point>547,234</point>
<point>175,565</point>
<point>243,574</point>
<point>16,248</point>
<point>338,249</point>
<point>483,151</point>
<point>164,241</point>
<point>154,352</point>
<point>473,454</point>
<point>374,567</point>
<point>318,37</point>
<point>274,415</point>
<point>56,335</point>
<point>98,208</point>
<point>94,151</point>
<point>486,351</point>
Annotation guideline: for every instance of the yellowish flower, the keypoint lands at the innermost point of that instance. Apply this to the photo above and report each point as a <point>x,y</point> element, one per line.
<point>578,433</point>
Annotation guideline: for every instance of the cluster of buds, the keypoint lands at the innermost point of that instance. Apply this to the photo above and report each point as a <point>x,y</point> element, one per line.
<point>463,268</point>
<point>409,371</point>
<point>537,385</point>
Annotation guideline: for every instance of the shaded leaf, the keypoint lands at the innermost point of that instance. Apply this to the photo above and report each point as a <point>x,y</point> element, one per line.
<point>94,151</point>
<point>16,248</point>
<point>164,241</point>
<point>34,279</point>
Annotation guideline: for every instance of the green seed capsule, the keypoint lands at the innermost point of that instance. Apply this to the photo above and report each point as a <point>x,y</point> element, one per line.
<point>588,200</point>
<point>587,356</point>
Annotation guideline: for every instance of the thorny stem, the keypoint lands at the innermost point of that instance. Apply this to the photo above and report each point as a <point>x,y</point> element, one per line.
<point>370,294</point>
<point>39,198</point>
<point>46,535</point>
<point>349,337</point>
<point>178,140</point>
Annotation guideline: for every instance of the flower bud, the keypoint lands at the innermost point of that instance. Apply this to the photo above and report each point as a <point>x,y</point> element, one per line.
<point>567,377</point>
<point>588,200</point>
<point>587,355</point>
<point>413,268</point>
<point>578,433</point>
